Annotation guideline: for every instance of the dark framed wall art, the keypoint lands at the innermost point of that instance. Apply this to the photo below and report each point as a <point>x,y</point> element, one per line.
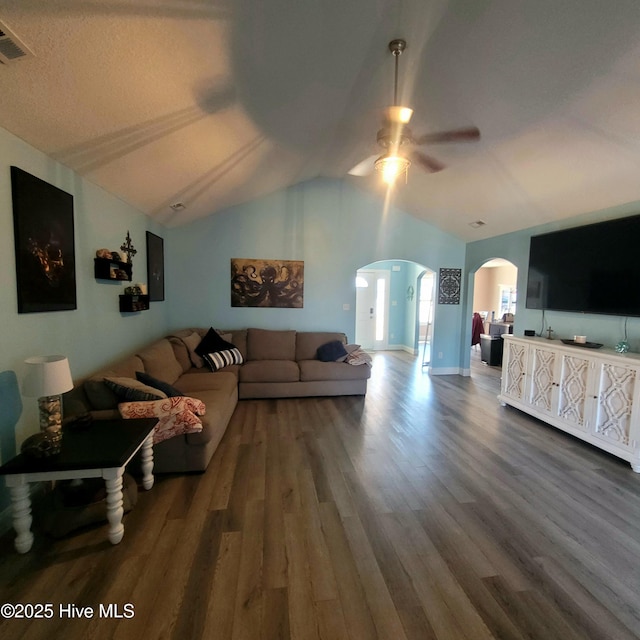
<point>450,285</point>
<point>155,267</point>
<point>267,283</point>
<point>44,242</point>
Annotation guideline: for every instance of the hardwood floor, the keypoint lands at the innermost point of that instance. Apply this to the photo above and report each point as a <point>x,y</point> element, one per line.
<point>425,511</point>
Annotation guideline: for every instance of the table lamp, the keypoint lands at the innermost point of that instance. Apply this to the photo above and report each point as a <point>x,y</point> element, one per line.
<point>47,378</point>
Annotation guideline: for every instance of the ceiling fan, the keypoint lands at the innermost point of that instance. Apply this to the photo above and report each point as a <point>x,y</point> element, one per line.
<point>397,140</point>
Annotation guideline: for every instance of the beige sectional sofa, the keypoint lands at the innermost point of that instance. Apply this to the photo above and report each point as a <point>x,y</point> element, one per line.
<point>277,364</point>
<point>283,364</point>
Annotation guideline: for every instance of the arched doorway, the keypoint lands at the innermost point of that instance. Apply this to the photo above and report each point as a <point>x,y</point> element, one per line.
<point>494,301</point>
<point>394,306</point>
<point>425,313</point>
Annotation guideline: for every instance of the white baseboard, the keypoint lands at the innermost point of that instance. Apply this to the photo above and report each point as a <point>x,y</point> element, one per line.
<point>401,347</point>
<point>445,371</point>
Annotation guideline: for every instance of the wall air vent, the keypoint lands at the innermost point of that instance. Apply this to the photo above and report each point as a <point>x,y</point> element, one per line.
<point>477,224</point>
<point>12,48</point>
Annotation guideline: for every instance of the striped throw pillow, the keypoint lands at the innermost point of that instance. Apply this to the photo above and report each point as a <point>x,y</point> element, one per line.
<point>219,359</point>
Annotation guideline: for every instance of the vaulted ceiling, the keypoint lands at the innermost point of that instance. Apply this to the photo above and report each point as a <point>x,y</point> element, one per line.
<point>212,103</point>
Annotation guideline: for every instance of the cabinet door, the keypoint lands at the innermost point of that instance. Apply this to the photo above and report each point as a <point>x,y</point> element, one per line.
<point>514,368</point>
<point>541,391</point>
<point>616,389</point>
<point>573,387</point>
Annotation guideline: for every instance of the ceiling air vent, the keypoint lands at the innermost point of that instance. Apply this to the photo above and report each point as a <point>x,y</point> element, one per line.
<point>12,48</point>
<point>477,224</point>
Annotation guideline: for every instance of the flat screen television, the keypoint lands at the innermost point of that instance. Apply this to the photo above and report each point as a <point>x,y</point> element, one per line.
<point>590,269</point>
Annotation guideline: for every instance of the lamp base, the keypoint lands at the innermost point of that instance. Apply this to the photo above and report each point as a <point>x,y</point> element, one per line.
<point>51,418</point>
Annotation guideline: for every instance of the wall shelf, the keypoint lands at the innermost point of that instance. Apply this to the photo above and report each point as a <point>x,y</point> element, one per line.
<point>107,269</point>
<point>134,303</point>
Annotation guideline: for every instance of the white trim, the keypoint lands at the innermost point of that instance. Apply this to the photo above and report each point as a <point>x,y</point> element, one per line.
<point>400,347</point>
<point>445,371</point>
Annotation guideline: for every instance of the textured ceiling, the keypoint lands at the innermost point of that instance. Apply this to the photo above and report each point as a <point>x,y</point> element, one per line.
<point>214,103</point>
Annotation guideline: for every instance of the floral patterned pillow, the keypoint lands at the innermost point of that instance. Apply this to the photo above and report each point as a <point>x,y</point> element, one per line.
<point>176,416</point>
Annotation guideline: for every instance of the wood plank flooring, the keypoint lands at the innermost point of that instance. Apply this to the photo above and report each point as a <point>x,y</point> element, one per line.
<point>425,511</point>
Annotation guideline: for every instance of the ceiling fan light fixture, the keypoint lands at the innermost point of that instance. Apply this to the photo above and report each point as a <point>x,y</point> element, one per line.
<point>398,114</point>
<point>396,139</point>
<point>391,166</point>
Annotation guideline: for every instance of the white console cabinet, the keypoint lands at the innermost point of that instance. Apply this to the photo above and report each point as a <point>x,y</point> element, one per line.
<point>593,394</point>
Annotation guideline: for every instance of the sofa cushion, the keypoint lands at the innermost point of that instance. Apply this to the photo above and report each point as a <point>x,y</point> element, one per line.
<point>160,361</point>
<point>239,339</point>
<point>130,390</point>
<point>312,370</point>
<point>192,384</point>
<point>191,342</point>
<point>169,390</point>
<point>270,371</point>
<point>267,344</point>
<point>307,342</point>
<point>181,352</point>
<point>219,394</point>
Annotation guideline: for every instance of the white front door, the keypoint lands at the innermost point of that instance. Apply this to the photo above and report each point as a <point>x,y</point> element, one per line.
<point>372,309</point>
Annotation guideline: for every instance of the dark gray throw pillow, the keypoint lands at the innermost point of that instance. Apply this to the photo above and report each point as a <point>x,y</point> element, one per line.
<point>167,388</point>
<point>130,390</point>
<point>331,351</point>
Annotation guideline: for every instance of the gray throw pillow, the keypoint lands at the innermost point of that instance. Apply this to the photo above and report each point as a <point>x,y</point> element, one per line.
<point>130,390</point>
<point>165,387</point>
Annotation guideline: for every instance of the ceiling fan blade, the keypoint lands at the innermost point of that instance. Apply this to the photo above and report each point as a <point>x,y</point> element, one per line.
<point>465,134</point>
<point>427,162</point>
<point>363,168</point>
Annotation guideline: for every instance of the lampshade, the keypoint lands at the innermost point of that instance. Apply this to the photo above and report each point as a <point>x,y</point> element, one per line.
<point>47,376</point>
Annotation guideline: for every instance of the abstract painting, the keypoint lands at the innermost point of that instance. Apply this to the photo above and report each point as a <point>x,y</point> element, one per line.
<point>449,288</point>
<point>44,241</point>
<point>267,283</point>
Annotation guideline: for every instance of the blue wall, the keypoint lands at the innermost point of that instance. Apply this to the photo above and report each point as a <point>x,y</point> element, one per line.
<point>96,332</point>
<point>515,248</point>
<point>335,229</point>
